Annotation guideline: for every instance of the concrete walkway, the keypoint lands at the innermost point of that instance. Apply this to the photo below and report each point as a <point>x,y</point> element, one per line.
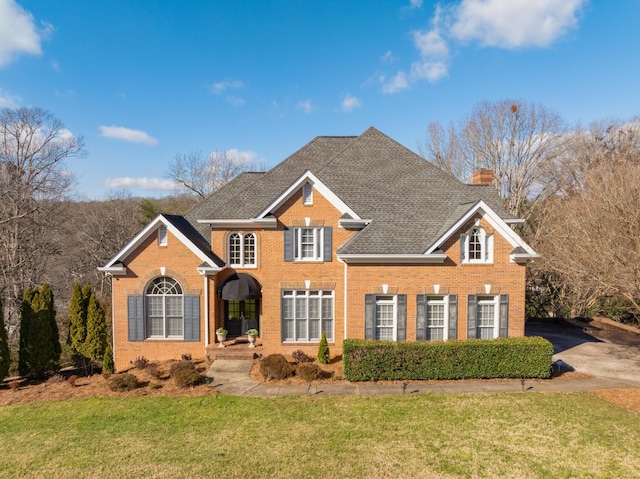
<point>231,376</point>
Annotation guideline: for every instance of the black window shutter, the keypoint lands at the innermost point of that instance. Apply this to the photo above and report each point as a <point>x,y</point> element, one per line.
<point>192,318</point>
<point>504,315</point>
<point>327,243</point>
<point>369,313</point>
<point>453,316</point>
<point>135,314</point>
<point>472,314</point>
<point>288,244</point>
<point>402,317</point>
<point>421,317</point>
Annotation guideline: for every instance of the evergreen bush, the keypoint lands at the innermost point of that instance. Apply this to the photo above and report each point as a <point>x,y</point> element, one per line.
<point>185,375</point>
<point>524,357</point>
<point>323,350</point>
<point>276,366</point>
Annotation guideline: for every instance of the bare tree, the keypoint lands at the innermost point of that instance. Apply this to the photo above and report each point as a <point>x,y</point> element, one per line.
<point>33,182</point>
<point>514,139</point>
<point>588,233</point>
<point>202,175</point>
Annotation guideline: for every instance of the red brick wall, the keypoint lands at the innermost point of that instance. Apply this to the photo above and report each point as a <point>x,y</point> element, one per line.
<point>274,274</point>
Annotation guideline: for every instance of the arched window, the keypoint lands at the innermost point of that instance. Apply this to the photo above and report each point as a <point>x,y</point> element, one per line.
<point>476,246</point>
<point>164,312</point>
<point>242,250</point>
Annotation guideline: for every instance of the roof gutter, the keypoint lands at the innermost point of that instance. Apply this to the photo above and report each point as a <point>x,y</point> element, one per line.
<point>434,258</point>
<point>269,222</point>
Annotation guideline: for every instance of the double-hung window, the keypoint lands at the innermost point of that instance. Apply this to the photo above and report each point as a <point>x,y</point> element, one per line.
<point>307,243</point>
<point>436,318</point>
<point>306,314</point>
<point>488,316</point>
<point>385,316</point>
<point>242,250</point>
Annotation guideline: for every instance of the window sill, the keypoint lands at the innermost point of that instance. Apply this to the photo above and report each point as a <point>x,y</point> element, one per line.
<point>164,339</point>
<point>243,266</point>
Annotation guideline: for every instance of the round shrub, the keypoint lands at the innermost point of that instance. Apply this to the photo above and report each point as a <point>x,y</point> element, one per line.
<point>276,366</point>
<point>185,375</point>
<point>123,382</point>
<point>301,357</point>
<point>309,372</point>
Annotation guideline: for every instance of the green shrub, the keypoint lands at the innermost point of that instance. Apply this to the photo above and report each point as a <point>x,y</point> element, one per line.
<point>276,366</point>
<point>185,375</point>
<point>123,382</point>
<point>309,372</point>
<point>323,350</point>
<point>300,356</point>
<point>528,357</point>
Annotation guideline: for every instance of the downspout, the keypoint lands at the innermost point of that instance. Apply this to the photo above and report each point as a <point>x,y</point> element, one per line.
<point>345,298</point>
<point>113,322</point>
<point>206,314</point>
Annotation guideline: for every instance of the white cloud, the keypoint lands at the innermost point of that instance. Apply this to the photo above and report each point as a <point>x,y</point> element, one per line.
<point>141,183</point>
<point>388,57</point>
<point>397,83</point>
<point>235,100</point>
<point>240,156</point>
<point>18,33</point>
<point>415,3</point>
<point>505,24</point>
<point>350,102</point>
<point>305,106</point>
<point>127,134</point>
<point>221,86</point>
<point>8,101</point>
<point>514,23</point>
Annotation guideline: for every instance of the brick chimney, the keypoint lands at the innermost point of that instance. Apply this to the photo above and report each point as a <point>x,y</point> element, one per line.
<point>483,177</point>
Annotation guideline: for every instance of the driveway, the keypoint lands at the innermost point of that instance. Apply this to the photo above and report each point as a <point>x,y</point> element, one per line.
<point>592,348</point>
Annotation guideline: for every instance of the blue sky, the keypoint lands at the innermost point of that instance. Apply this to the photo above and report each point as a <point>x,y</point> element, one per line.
<point>142,81</point>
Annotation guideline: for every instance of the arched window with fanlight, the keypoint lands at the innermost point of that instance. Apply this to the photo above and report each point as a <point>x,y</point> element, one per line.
<point>476,246</point>
<point>242,250</point>
<point>165,315</point>
<point>163,311</point>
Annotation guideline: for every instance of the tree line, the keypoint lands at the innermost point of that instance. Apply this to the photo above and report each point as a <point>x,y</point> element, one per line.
<point>577,187</point>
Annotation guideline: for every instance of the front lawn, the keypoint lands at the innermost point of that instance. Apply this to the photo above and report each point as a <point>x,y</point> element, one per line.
<point>425,435</point>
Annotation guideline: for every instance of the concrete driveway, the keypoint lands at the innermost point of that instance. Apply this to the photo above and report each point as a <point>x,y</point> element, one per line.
<point>582,350</point>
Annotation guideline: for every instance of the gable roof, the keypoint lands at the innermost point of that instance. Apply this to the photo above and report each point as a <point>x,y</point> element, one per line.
<point>183,230</point>
<point>411,202</point>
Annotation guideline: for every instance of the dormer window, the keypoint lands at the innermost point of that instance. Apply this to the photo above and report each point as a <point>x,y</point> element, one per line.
<point>242,250</point>
<point>307,194</point>
<point>476,246</point>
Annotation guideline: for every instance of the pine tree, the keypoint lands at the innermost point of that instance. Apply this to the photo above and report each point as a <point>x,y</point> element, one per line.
<point>39,341</point>
<point>4,348</point>
<point>107,361</point>
<point>78,316</point>
<point>323,350</point>
<point>96,340</point>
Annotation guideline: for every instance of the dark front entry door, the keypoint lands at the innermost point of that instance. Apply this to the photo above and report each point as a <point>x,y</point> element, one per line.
<point>239,316</point>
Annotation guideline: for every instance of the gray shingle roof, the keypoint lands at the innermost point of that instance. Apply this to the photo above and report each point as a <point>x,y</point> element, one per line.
<point>410,201</point>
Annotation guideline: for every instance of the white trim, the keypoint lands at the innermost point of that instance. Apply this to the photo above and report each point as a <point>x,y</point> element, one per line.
<point>144,234</point>
<point>309,177</point>
<point>432,258</point>
<point>269,222</point>
<point>494,220</point>
<point>445,303</point>
<point>243,264</point>
<point>394,303</point>
<point>495,301</point>
<point>318,243</point>
<point>350,223</point>
<point>115,270</point>
<point>515,221</point>
<point>205,287</point>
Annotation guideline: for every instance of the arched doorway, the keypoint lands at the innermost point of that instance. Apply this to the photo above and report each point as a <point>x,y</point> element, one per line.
<point>241,297</point>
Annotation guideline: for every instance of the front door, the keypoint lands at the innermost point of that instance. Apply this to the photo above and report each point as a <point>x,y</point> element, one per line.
<point>239,316</point>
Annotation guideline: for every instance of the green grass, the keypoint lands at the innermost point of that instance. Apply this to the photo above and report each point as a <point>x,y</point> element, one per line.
<point>413,435</point>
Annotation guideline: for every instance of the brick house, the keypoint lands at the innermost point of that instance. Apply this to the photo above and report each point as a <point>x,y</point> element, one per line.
<point>357,237</point>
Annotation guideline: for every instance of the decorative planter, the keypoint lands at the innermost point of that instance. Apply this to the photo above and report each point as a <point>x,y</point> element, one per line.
<point>221,339</point>
<point>252,340</point>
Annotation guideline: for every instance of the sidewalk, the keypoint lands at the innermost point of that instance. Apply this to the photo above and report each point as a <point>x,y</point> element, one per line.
<point>231,376</point>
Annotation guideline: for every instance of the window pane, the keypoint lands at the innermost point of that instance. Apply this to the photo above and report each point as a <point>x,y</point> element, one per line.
<point>249,249</point>
<point>435,321</point>
<point>307,243</point>
<point>327,316</point>
<point>234,248</point>
<point>301,319</point>
<point>234,309</point>
<point>155,316</point>
<point>384,320</point>
<point>475,245</point>
<point>314,319</point>
<point>486,320</point>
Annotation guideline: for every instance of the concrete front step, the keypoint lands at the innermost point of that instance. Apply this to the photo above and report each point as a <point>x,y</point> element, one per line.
<point>234,350</point>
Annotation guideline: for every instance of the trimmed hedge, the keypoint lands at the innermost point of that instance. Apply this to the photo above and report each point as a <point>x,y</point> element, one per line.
<point>525,357</point>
